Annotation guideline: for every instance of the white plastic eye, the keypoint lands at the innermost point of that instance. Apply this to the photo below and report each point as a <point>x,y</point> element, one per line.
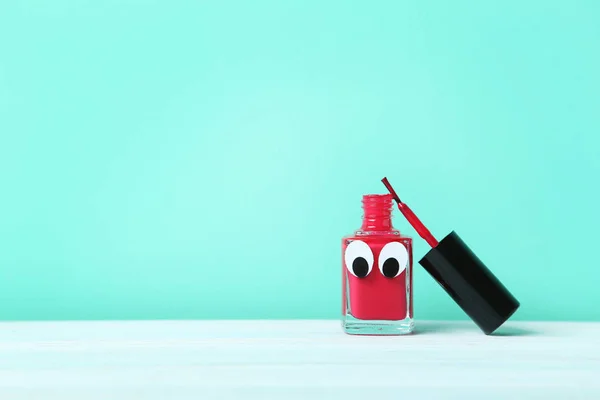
<point>393,259</point>
<point>358,258</point>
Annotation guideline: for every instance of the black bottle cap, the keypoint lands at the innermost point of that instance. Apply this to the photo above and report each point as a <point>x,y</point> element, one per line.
<point>470,283</point>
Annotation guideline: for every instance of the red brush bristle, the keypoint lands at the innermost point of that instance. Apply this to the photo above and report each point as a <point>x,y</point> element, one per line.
<point>391,190</point>
<point>411,217</point>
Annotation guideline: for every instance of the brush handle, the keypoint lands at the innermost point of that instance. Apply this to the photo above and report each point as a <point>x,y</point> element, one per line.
<point>417,224</point>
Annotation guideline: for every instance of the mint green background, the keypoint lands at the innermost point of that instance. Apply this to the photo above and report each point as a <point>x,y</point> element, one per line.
<point>188,159</point>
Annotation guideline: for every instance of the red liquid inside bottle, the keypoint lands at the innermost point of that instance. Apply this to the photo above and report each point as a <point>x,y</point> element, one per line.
<point>377,274</point>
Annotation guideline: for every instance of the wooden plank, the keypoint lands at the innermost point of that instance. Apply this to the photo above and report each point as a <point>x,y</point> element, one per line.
<point>295,359</point>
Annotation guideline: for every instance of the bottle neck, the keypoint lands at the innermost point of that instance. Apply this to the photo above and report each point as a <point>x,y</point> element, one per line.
<point>377,213</point>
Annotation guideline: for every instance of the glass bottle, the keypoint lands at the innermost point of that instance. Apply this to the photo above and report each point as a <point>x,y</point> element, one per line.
<point>377,274</point>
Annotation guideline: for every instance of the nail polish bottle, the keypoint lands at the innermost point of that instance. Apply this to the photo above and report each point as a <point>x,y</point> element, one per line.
<point>377,260</point>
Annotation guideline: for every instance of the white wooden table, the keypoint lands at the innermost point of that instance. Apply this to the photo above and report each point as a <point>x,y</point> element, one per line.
<point>295,360</point>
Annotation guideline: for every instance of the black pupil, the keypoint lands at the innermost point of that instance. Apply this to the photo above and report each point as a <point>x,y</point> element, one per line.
<point>360,267</point>
<point>390,267</point>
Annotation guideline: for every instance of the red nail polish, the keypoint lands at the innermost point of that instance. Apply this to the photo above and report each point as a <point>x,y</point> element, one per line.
<point>377,274</point>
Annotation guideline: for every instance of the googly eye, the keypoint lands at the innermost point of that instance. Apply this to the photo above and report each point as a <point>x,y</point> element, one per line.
<point>358,258</point>
<point>393,259</point>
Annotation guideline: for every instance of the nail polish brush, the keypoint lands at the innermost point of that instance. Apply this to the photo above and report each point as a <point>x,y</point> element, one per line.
<point>462,274</point>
